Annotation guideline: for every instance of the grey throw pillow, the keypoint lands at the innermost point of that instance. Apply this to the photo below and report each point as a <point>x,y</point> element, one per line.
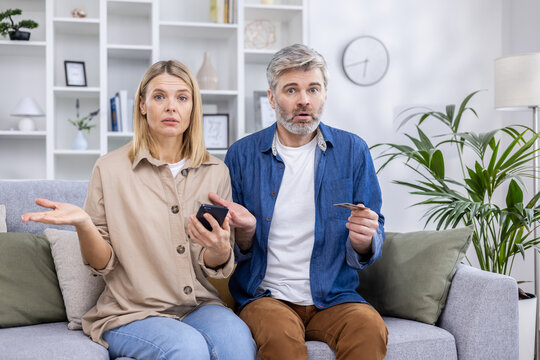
<point>412,278</point>
<point>80,288</point>
<point>3,226</point>
<point>29,291</point>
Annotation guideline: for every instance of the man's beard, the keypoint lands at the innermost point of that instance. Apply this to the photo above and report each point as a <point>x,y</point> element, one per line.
<point>298,128</point>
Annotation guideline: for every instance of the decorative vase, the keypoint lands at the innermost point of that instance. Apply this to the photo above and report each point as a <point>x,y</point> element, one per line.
<point>207,75</point>
<point>19,35</point>
<point>79,143</point>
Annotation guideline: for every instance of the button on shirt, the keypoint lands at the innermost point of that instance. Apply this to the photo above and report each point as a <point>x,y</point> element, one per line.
<point>143,213</point>
<point>344,172</point>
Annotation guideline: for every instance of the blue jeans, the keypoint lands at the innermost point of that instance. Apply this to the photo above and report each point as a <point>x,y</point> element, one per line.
<point>210,332</point>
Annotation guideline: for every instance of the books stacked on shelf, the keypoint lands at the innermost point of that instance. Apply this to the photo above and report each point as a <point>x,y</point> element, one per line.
<point>223,11</point>
<point>121,113</point>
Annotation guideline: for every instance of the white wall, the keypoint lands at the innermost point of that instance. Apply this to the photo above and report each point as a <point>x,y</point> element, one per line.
<point>440,51</point>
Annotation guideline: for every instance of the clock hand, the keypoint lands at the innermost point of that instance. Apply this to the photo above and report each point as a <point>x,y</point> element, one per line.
<point>365,66</point>
<point>357,63</point>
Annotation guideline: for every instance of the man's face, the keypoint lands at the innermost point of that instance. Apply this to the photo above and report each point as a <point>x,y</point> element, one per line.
<point>299,100</point>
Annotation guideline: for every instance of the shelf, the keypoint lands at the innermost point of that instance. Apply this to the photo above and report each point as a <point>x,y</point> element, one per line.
<point>22,48</point>
<point>253,56</point>
<point>130,1</point>
<point>77,152</point>
<point>115,134</point>
<point>24,135</point>
<point>263,7</point>
<point>218,95</point>
<point>218,152</point>
<point>130,51</point>
<point>185,29</point>
<point>76,92</point>
<point>272,12</point>
<point>72,26</point>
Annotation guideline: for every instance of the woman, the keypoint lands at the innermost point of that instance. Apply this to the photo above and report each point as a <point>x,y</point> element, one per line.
<point>138,230</point>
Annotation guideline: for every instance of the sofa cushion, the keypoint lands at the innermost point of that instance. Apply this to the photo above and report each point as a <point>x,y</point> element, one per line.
<point>80,288</point>
<point>3,227</point>
<point>413,275</point>
<point>28,285</point>
<point>414,340</point>
<point>48,341</point>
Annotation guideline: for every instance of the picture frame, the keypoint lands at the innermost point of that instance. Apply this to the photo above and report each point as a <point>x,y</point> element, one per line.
<point>264,114</point>
<point>216,131</point>
<point>75,73</point>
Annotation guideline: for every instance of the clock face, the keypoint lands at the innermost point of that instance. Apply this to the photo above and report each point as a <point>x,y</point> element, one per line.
<point>365,60</point>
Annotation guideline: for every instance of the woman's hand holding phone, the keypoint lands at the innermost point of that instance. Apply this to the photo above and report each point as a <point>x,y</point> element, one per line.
<point>216,240</point>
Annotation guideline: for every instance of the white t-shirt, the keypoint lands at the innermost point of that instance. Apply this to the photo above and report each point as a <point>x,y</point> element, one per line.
<point>292,231</point>
<point>176,167</point>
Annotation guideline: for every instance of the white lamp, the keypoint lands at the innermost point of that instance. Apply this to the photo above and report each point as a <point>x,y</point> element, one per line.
<point>27,108</point>
<point>517,87</point>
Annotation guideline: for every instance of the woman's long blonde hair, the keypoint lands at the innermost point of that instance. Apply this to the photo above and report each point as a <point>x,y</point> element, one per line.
<point>192,139</point>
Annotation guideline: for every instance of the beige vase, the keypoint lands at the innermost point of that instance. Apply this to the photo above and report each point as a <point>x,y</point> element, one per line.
<point>207,75</point>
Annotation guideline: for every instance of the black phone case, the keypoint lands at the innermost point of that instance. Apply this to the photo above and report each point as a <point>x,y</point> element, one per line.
<point>218,212</point>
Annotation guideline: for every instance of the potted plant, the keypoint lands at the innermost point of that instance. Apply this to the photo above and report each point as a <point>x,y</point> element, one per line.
<point>12,28</point>
<point>493,166</point>
<point>82,123</point>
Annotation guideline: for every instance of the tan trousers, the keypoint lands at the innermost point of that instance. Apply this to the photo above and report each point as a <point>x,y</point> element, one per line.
<point>280,329</point>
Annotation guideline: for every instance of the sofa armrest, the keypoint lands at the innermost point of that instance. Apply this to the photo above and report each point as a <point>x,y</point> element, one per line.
<point>482,313</point>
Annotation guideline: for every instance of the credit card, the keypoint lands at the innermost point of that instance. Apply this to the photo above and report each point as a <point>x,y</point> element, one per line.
<point>350,206</point>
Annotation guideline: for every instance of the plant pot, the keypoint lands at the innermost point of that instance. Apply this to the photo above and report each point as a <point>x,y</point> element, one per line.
<point>527,316</point>
<point>19,35</point>
<point>79,143</point>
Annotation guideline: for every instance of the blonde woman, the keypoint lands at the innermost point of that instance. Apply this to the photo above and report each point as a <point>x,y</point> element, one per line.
<point>138,231</point>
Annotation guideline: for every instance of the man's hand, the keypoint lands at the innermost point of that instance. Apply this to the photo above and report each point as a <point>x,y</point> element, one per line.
<point>241,219</point>
<point>362,225</point>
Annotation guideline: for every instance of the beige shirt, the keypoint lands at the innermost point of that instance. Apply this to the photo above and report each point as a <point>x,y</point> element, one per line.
<point>143,213</point>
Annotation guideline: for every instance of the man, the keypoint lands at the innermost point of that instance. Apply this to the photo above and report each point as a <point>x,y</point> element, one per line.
<point>297,278</point>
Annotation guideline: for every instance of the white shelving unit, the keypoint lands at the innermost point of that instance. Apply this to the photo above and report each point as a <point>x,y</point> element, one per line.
<point>117,41</point>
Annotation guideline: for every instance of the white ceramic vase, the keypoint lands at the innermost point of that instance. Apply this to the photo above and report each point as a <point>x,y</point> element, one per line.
<point>79,143</point>
<point>207,75</point>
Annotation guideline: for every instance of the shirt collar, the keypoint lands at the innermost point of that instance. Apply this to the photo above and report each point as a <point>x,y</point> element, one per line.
<point>322,135</point>
<point>145,154</point>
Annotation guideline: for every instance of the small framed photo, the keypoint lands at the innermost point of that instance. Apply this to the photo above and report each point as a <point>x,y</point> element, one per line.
<point>216,131</point>
<point>75,73</point>
<point>264,114</point>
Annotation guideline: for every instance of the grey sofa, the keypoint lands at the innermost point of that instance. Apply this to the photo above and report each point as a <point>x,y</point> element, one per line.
<point>479,321</point>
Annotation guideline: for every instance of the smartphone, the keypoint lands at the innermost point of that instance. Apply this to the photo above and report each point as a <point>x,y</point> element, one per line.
<point>218,212</point>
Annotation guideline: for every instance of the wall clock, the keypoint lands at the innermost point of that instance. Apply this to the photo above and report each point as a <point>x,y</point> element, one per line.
<point>365,60</point>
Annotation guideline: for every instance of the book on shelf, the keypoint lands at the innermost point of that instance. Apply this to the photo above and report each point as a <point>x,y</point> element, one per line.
<point>115,106</point>
<point>223,11</point>
<point>123,114</point>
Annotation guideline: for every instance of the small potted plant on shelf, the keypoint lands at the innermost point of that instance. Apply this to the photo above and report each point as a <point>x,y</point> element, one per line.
<point>82,123</point>
<point>12,28</point>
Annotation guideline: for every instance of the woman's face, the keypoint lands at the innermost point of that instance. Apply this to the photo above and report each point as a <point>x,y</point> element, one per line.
<point>167,106</point>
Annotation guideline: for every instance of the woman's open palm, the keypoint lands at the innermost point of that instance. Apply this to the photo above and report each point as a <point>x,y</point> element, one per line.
<point>61,213</point>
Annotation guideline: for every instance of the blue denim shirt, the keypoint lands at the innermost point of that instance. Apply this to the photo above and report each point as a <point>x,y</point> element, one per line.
<point>344,173</point>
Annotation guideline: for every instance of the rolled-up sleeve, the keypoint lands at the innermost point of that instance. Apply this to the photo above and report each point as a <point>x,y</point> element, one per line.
<point>220,272</point>
<point>95,208</point>
<point>360,262</point>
